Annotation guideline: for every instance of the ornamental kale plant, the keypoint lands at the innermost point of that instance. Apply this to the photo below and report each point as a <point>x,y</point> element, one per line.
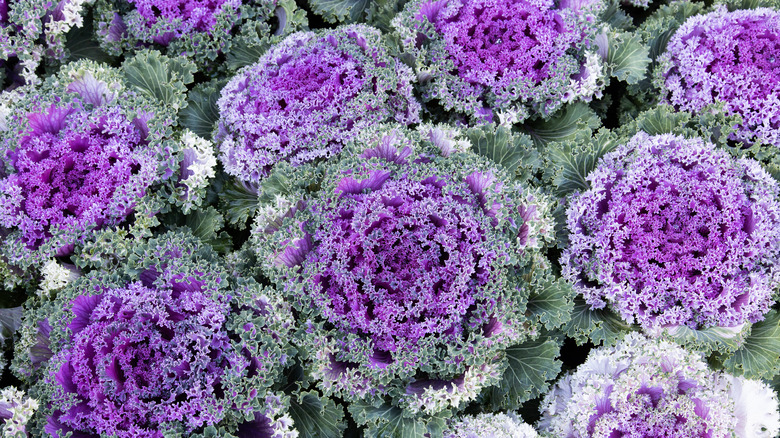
<point>653,388</point>
<point>728,57</point>
<point>173,345</point>
<point>85,151</point>
<point>309,95</point>
<point>203,30</point>
<point>507,58</point>
<point>675,232</point>
<point>413,269</point>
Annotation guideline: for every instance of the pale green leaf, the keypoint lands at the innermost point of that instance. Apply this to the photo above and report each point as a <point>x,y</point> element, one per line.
<point>387,421</point>
<point>205,224</point>
<point>758,357</point>
<point>317,417</point>
<point>551,304</point>
<point>514,151</point>
<point>201,113</point>
<point>530,368</point>
<point>339,10</point>
<point>628,57</point>
<point>159,77</point>
<point>595,325</point>
<point>573,161</point>
<point>565,125</point>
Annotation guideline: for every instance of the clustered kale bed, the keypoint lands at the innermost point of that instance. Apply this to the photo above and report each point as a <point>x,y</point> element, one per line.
<point>390,218</point>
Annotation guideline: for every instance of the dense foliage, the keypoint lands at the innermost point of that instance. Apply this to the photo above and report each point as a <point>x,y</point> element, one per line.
<point>389,218</point>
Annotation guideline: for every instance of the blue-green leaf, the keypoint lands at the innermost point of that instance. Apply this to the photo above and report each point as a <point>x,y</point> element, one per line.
<point>759,357</point>
<point>201,113</point>
<point>595,325</point>
<point>628,57</point>
<point>160,77</point>
<point>317,417</point>
<point>565,125</point>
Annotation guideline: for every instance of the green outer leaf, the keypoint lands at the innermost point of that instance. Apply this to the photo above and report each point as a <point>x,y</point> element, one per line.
<point>628,58</point>
<point>387,421</point>
<point>317,417</point>
<point>597,326</point>
<point>564,126</point>
<point>531,365</point>
<point>574,162</point>
<point>205,224</point>
<point>201,113</point>
<point>10,320</point>
<point>551,304</point>
<point>513,151</point>
<point>160,77</point>
<point>759,357</point>
<point>339,10</point>
<point>239,203</point>
<point>661,120</point>
<point>708,340</point>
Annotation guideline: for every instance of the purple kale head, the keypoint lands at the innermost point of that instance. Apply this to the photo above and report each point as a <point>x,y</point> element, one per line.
<point>481,57</point>
<point>173,345</point>
<point>654,388</point>
<point>307,96</point>
<point>81,153</point>
<point>75,169</point>
<point>404,268</point>
<point>731,58</point>
<point>675,232</point>
<point>143,357</point>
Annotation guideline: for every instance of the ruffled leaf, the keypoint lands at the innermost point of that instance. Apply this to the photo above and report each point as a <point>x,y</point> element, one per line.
<point>160,77</point>
<point>239,203</point>
<point>10,321</point>
<point>531,367</point>
<point>551,304</point>
<point>563,126</point>
<point>595,325</point>
<point>661,120</point>
<point>516,152</point>
<point>711,339</point>
<point>339,10</point>
<point>628,58</point>
<point>201,112</point>
<point>317,417</point>
<point>616,17</point>
<point>387,421</point>
<point>759,357</point>
<point>573,161</point>
<point>205,225</point>
<point>659,28</point>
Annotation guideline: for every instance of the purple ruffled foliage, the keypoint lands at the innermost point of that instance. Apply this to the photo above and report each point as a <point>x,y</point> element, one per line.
<point>495,43</point>
<point>484,56</point>
<point>675,232</point>
<point>190,15</point>
<point>400,259</point>
<point>403,267</point>
<point>75,169</point>
<point>307,96</point>
<point>729,57</point>
<point>142,357</point>
<point>175,344</point>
